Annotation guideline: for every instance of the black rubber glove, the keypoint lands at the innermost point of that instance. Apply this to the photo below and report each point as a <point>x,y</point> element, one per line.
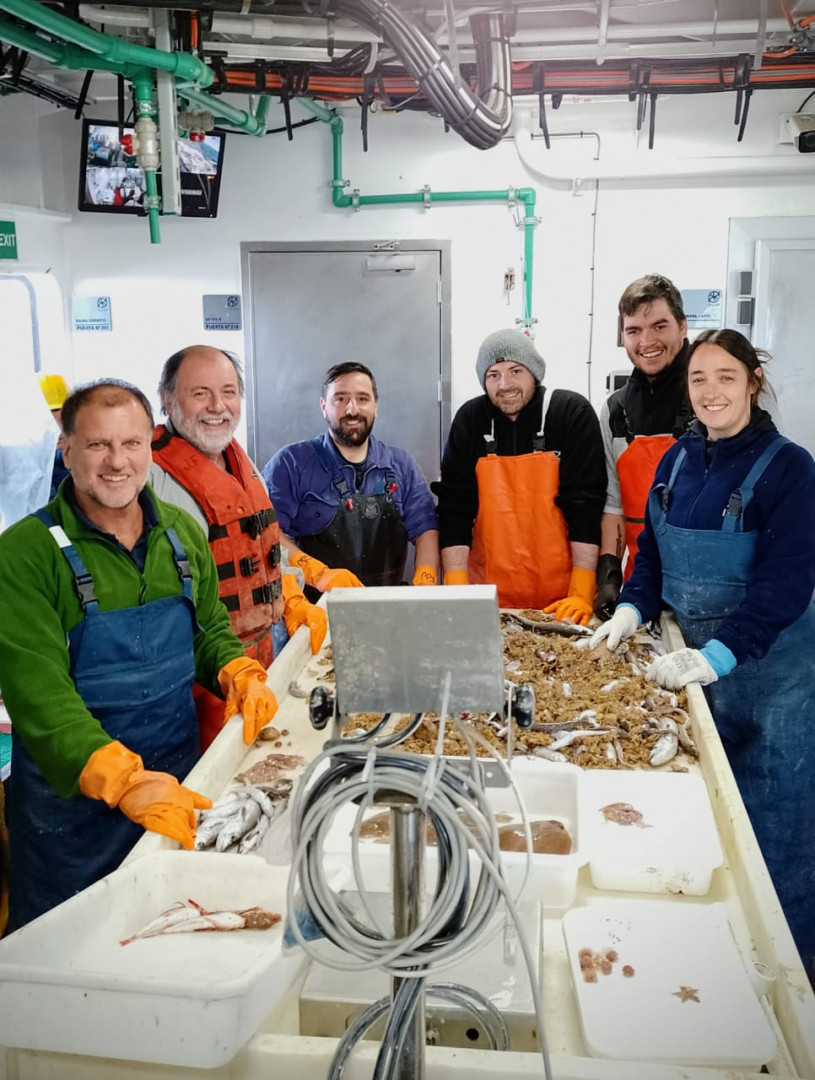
<point>609,583</point>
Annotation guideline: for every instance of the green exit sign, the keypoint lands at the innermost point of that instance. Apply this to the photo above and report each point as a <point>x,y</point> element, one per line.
<point>8,240</point>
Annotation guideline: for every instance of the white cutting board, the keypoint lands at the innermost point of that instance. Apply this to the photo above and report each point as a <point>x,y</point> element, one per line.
<point>669,944</point>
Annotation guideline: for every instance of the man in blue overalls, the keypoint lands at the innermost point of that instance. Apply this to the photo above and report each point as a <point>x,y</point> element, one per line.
<point>110,611</point>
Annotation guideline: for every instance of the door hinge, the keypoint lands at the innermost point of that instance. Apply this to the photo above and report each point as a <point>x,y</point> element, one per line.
<point>438,291</point>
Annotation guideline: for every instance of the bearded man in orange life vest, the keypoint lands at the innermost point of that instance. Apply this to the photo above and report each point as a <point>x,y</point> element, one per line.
<point>522,487</point>
<point>199,466</point>
<point>639,422</point>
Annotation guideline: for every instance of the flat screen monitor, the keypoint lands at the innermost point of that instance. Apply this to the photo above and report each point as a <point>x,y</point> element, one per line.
<point>110,181</point>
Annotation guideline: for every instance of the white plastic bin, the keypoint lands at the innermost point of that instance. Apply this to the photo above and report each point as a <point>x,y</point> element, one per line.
<point>675,848</point>
<point>193,999</point>
<point>549,790</point>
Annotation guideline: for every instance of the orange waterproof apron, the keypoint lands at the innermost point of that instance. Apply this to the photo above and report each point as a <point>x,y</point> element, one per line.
<point>520,540</point>
<point>636,466</point>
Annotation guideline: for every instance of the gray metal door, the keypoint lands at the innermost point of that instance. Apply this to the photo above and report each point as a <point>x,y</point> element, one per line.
<point>785,326</point>
<point>309,306</point>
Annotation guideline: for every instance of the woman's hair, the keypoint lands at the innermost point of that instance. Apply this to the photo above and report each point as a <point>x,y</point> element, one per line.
<point>738,346</point>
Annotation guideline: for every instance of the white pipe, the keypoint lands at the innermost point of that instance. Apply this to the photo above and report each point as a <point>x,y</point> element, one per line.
<point>264,28</point>
<point>115,16</point>
<point>561,175</point>
<point>636,31</point>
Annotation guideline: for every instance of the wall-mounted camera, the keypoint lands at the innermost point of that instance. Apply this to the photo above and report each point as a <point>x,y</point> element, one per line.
<point>801,128</point>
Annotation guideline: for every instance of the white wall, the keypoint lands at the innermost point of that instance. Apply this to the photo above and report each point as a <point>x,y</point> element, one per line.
<point>277,190</point>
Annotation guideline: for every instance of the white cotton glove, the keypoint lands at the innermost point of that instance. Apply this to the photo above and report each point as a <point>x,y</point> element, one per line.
<point>677,669</point>
<point>623,623</point>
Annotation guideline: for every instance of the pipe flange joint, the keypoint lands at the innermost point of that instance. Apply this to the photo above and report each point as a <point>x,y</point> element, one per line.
<point>339,183</point>
<point>355,198</point>
<point>525,324</point>
<point>152,202</point>
<point>511,197</point>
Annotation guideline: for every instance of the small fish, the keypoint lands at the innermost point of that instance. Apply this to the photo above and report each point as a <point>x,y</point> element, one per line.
<point>237,826</point>
<point>566,738</point>
<point>664,750</point>
<point>613,683</point>
<point>552,626</point>
<point>549,755</point>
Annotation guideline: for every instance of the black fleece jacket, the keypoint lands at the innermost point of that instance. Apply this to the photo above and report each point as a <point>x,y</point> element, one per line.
<point>652,406</point>
<point>571,428</point>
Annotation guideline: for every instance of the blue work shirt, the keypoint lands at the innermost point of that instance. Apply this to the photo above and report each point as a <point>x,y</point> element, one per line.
<point>305,498</point>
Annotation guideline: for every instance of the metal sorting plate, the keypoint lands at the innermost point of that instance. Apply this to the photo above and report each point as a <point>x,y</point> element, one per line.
<point>394,646</point>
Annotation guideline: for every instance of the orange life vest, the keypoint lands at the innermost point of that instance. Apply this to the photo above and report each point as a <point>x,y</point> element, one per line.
<point>244,536</point>
<point>520,540</point>
<point>636,466</point>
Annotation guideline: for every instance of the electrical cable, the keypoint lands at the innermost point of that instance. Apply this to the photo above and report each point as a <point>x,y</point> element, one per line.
<point>462,908</point>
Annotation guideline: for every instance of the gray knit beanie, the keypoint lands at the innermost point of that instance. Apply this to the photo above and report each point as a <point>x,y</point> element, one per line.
<point>513,347</point>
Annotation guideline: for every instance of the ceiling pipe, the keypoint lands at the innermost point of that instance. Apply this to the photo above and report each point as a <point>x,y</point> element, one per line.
<point>265,27</point>
<point>258,28</point>
<point>113,50</point>
<point>562,175</point>
<point>136,17</point>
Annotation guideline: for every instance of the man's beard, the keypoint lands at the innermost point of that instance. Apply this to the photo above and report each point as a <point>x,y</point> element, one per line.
<point>206,440</point>
<point>351,436</point>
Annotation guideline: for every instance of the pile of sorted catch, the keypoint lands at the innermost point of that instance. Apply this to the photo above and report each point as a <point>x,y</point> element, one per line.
<point>242,816</point>
<point>593,708</point>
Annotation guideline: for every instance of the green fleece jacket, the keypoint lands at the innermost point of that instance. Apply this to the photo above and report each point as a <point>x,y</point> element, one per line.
<point>39,606</point>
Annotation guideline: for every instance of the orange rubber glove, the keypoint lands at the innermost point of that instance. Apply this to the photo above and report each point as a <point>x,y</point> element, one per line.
<point>243,682</point>
<point>297,611</point>
<point>155,800</point>
<point>456,577</point>
<point>321,577</point>
<point>578,605</point>
<point>425,575</point>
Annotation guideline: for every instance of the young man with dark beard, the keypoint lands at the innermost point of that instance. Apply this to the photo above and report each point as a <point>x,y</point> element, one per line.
<point>348,500</point>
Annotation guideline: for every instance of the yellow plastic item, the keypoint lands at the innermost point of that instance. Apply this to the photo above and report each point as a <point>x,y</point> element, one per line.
<point>456,577</point>
<point>425,575</point>
<point>577,607</point>
<point>243,682</point>
<point>297,611</point>
<point>55,389</point>
<point>154,800</point>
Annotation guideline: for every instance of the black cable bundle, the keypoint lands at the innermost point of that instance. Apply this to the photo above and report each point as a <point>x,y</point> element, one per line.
<point>482,118</point>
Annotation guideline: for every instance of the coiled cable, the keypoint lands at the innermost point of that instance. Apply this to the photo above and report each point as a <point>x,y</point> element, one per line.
<point>463,906</point>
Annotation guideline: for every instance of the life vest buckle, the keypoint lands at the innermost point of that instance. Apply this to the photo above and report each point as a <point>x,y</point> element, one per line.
<point>249,565</point>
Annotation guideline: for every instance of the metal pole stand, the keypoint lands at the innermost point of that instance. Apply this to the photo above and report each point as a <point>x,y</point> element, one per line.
<point>407,878</point>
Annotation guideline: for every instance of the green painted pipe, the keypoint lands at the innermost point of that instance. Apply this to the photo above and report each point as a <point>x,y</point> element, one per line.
<point>113,49</point>
<point>262,110</point>
<point>143,99</point>
<point>67,56</point>
<point>426,197</point>
<point>238,118</point>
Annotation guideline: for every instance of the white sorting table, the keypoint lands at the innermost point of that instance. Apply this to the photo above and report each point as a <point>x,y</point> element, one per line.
<point>278,1050</point>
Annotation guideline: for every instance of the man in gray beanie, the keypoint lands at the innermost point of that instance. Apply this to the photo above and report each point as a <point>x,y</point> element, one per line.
<point>522,488</point>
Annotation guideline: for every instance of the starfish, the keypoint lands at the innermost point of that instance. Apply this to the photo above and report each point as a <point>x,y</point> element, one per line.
<point>687,993</point>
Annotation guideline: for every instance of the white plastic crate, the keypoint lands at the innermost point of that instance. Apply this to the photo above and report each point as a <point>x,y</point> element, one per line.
<point>674,849</point>
<point>194,999</point>
<point>549,790</point>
